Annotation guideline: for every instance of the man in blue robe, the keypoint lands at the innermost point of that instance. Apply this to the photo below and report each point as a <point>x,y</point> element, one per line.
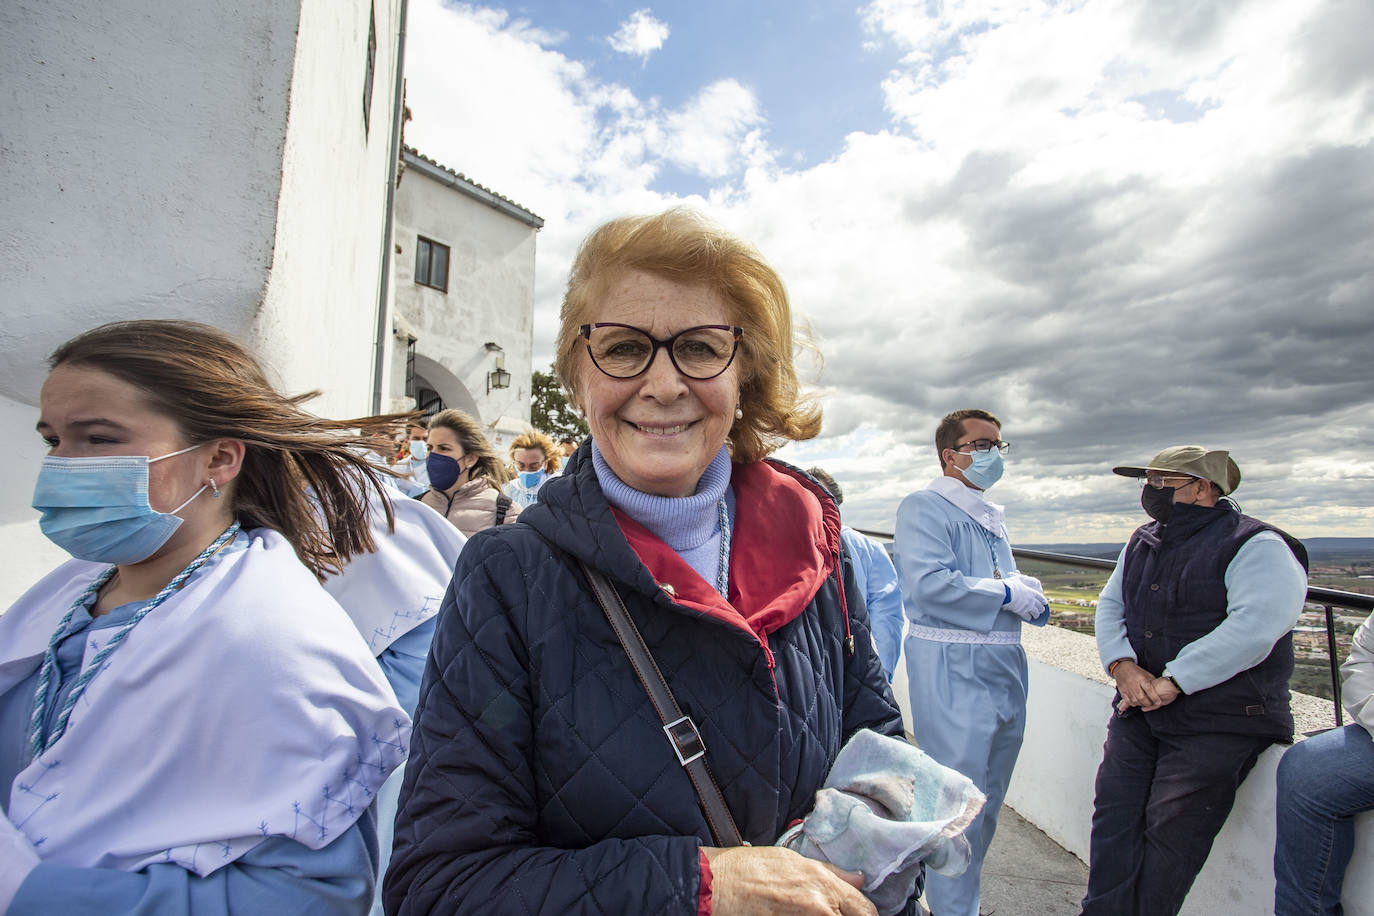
<point>966,603</point>
<point>877,580</point>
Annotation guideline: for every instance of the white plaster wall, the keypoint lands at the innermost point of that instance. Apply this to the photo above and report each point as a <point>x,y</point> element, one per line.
<point>490,291</point>
<point>144,151</point>
<point>1066,724</point>
<point>140,159</point>
<point>27,553</point>
<point>317,326</point>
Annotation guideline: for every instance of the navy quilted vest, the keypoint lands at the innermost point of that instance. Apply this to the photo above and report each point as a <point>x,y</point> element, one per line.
<point>1174,588</point>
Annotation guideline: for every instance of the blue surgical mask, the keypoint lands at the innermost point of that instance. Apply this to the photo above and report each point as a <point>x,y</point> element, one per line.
<point>443,471</point>
<point>97,508</point>
<point>530,479</point>
<point>419,449</point>
<point>985,470</point>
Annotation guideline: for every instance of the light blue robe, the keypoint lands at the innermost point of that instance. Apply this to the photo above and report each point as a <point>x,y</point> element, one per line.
<point>523,496</point>
<point>403,663</point>
<point>877,579</point>
<point>968,700</point>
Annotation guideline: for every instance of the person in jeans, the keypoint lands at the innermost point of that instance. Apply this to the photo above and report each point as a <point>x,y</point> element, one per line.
<point>1323,783</point>
<point>1194,625</point>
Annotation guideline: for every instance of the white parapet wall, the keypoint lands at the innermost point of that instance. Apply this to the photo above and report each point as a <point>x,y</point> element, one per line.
<point>1066,725</point>
<point>195,160</point>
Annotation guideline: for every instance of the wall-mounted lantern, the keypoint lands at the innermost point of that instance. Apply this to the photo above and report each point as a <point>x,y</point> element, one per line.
<point>498,377</point>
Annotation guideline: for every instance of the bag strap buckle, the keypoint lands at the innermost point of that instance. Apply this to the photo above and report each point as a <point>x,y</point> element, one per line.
<point>685,739</point>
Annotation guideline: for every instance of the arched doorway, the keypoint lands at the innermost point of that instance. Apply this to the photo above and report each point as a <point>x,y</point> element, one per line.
<point>437,388</point>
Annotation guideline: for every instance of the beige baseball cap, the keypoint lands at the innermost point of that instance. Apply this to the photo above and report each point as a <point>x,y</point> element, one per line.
<point>1214,465</point>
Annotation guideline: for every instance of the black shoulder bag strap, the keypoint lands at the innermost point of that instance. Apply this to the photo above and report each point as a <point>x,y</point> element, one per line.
<point>503,503</point>
<point>681,730</point>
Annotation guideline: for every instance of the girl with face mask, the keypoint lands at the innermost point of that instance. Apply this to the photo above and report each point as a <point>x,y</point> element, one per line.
<point>186,717</point>
<point>465,475</point>
<point>534,458</point>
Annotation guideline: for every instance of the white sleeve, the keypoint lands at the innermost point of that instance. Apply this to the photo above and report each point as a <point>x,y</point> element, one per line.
<point>1357,677</point>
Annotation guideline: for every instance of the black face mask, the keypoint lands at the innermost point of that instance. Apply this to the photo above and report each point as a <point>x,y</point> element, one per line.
<point>1158,502</point>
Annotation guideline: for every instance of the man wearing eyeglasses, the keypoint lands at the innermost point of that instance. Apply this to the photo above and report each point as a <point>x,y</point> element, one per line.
<point>966,603</point>
<point>1195,627</point>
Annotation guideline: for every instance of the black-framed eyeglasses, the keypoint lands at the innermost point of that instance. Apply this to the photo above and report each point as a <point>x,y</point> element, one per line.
<point>983,445</point>
<point>625,351</point>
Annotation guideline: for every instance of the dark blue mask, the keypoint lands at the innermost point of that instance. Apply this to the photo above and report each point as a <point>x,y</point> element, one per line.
<point>443,471</point>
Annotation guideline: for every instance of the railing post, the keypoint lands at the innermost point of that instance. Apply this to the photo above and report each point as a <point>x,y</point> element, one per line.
<point>1335,665</point>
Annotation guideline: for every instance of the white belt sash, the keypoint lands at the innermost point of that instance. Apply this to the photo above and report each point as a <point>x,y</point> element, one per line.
<point>971,637</point>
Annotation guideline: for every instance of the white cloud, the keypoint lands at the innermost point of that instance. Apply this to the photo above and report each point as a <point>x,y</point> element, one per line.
<point>640,35</point>
<point>1119,226</point>
<point>714,133</point>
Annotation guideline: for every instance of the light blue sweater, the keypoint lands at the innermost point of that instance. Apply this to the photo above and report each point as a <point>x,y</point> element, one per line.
<point>1265,589</point>
<point>690,525</point>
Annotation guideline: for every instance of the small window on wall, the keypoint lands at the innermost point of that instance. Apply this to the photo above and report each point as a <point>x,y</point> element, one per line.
<point>371,71</point>
<point>428,401</point>
<point>431,263</point>
<point>410,368</point>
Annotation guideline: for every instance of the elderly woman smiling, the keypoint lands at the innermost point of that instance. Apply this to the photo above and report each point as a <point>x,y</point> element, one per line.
<point>541,779</point>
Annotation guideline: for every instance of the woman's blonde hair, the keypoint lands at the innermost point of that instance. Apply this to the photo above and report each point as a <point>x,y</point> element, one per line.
<point>682,246</point>
<point>470,437</point>
<point>303,476</point>
<point>540,441</point>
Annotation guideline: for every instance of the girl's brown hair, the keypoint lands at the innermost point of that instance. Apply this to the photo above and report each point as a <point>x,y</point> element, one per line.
<point>302,476</point>
<point>470,437</point>
<point>684,247</point>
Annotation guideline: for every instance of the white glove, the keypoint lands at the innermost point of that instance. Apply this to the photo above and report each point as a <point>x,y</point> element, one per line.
<point>1027,598</point>
<point>17,859</point>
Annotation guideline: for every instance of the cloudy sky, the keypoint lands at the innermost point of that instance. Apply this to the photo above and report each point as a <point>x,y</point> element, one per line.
<point>1117,225</point>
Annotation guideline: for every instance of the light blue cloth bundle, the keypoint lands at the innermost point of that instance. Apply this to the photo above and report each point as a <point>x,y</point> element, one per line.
<point>885,808</point>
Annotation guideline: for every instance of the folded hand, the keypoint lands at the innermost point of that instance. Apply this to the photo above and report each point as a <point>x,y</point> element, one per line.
<point>1139,687</point>
<point>769,880</point>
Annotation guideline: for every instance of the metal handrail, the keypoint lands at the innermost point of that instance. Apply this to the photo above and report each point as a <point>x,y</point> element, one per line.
<point>1328,598</point>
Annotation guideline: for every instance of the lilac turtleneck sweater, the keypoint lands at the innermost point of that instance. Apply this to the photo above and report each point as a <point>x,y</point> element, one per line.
<point>688,524</point>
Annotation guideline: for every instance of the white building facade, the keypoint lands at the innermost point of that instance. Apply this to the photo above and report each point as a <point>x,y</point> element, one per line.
<point>186,160</point>
<point>464,299</point>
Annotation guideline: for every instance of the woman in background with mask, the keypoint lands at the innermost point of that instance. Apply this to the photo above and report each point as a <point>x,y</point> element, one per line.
<point>535,458</point>
<point>188,722</point>
<point>465,475</point>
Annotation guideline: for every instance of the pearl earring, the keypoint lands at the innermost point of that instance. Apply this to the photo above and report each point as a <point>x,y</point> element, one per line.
<point>739,414</point>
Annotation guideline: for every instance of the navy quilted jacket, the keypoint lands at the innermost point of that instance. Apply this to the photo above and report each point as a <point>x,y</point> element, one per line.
<point>540,780</point>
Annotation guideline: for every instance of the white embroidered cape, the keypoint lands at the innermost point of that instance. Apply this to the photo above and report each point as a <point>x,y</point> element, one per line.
<point>246,706</point>
<point>390,592</point>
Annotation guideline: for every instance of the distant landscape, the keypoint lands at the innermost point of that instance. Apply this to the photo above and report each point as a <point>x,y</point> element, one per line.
<point>1345,564</point>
